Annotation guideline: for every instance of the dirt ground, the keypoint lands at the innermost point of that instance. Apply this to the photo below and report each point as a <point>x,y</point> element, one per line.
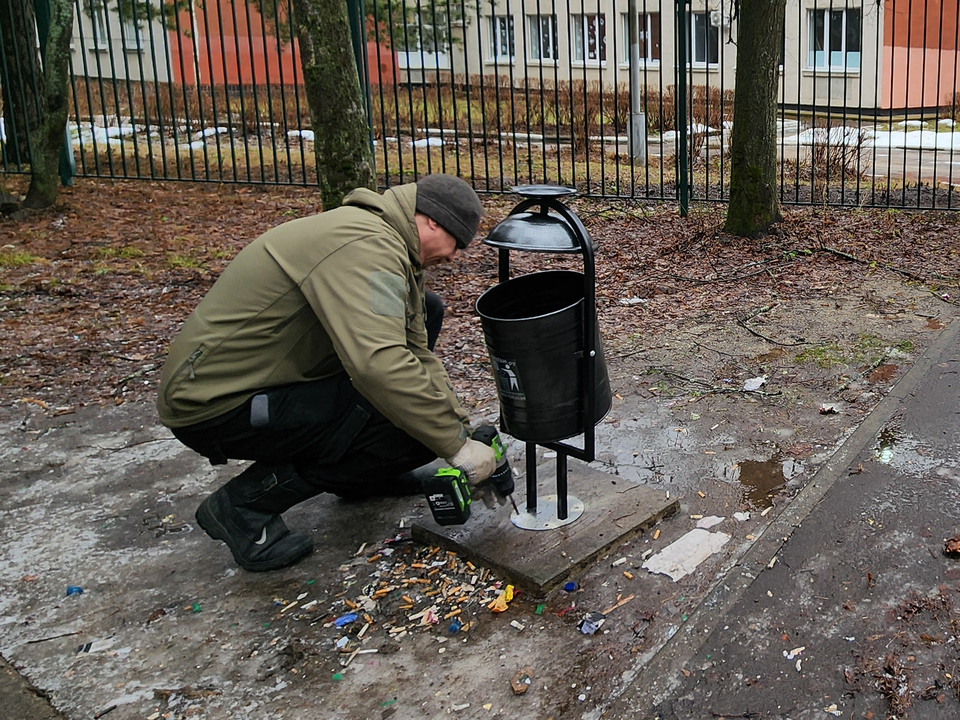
<point>823,316</point>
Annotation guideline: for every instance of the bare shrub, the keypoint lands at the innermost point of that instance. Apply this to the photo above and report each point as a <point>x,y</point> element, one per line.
<point>839,152</point>
<point>579,105</point>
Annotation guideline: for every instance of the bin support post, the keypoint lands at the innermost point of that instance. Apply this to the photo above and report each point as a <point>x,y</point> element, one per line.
<point>561,486</point>
<point>532,478</point>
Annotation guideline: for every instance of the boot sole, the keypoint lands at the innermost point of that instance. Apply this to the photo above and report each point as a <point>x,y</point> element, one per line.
<point>208,522</point>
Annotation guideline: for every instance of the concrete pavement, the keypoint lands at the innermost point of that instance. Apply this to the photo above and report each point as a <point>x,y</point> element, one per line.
<point>843,603</point>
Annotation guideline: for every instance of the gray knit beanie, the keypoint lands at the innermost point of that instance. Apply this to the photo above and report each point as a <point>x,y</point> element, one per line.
<point>452,203</point>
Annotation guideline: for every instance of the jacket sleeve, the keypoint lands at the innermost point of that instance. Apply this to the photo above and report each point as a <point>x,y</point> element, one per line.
<point>359,294</point>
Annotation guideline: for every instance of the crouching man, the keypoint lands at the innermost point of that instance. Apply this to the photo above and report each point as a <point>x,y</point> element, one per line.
<point>311,355</point>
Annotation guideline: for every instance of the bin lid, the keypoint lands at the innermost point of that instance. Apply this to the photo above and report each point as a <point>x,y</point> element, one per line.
<point>534,232</point>
<point>543,191</point>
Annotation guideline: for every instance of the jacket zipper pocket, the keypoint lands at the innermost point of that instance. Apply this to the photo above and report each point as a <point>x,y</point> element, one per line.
<point>175,378</point>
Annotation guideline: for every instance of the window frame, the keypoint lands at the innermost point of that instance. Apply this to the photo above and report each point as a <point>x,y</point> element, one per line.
<point>827,53</point>
<point>535,35</point>
<point>581,38</point>
<point>128,26</point>
<point>98,27</point>
<point>709,28</point>
<point>493,47</point>
<point>645,33</point>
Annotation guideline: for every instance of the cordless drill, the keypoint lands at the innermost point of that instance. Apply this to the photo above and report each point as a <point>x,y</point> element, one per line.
<point>502,478</point>
<point>449,495</point>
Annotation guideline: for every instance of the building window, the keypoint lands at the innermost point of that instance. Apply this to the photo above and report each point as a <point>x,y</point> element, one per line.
<point>589,38</point>
<point>99,21</point>
<point>648,37</point>
<point>543,37</point>
<point>501,37</point>
<point>132,35</point>
<point>835,39</point>
<point>704,40</point>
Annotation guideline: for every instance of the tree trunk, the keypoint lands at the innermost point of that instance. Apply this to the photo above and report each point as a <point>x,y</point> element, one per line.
<point>19,76</point>
<point>45,163</point>
<point>753,204</point>
<point>341,139</point>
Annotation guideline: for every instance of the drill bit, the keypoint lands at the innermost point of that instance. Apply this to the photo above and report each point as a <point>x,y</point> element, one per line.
<point>514,503</point>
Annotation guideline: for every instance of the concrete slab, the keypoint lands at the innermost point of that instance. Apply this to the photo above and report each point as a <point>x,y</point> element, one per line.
<point>540,561</point>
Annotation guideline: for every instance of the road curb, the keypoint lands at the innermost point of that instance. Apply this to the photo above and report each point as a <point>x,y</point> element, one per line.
<point>662,674</point>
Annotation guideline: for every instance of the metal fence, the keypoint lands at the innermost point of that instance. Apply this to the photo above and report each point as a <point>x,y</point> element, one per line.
<point>620,98</point>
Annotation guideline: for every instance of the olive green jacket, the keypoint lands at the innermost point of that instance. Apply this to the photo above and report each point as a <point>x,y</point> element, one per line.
<point>339,291</point>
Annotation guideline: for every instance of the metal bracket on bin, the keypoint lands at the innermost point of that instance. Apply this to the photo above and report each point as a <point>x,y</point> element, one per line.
<point>547,198</point>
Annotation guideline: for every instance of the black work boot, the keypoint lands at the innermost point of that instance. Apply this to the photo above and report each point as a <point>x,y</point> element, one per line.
<point>245,514</point>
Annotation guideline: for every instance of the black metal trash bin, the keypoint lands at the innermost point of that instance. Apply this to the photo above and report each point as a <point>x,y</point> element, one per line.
<point>533,325</point>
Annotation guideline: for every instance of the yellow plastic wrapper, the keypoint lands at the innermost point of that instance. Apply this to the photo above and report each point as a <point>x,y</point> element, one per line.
<point>500,604</point>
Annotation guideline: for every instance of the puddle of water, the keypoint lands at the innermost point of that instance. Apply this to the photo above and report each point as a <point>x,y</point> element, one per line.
<point>905,453</point>
<point>886,444</point>
<point>762,480</point>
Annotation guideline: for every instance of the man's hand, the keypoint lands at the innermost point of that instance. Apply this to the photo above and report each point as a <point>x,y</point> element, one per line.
<point>475,460</point>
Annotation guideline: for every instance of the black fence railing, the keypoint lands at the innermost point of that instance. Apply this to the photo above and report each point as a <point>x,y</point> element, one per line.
<point>574,92</point>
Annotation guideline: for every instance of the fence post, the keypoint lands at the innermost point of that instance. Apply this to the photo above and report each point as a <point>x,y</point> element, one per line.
<point>638,118</point>
<point>680,109</point>
<point>356,17</point>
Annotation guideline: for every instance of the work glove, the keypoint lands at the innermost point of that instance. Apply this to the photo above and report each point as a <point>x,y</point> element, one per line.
<point>475,460</point>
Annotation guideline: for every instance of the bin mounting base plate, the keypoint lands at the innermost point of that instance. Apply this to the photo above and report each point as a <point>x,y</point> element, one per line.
<point>546,516</point>
<point>539,562</point>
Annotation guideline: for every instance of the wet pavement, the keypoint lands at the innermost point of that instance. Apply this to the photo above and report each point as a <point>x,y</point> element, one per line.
<point>831,588</point>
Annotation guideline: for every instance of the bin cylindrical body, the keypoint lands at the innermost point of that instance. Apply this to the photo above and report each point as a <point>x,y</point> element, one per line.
<point>533,326</point>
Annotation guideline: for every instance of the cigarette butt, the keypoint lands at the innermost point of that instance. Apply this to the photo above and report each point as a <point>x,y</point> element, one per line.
<point>471,565</point>
<point>628,576</point>
<point>373,558</point>
<point>417,565</point>
<point>367,619</point>
<point>407,598</point>
<point>351,605</point>
<point>764,513</point>
<point>700,494</point>
<point>452,613</point>
<point>406,607</point>
<point>451,552</point>
<point>656,533</point>
<point>433,572</point>
<point>431,593</point>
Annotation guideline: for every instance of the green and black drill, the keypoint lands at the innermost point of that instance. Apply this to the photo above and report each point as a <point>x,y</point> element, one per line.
<point>449,495</point>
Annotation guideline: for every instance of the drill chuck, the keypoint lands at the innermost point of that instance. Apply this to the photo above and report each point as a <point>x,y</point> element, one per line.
<point>502,478</point>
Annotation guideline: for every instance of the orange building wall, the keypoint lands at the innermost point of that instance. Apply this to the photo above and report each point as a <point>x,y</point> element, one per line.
<point>232,45</point>
<point>920,62</point>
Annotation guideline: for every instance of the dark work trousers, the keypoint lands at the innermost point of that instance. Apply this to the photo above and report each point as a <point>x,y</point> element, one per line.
<point>327,431</point>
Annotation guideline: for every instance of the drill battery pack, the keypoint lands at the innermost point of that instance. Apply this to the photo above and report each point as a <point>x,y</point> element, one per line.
<point>448,496</point>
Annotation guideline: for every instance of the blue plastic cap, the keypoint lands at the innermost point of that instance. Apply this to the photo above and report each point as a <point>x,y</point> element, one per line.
<point>570,586</point>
